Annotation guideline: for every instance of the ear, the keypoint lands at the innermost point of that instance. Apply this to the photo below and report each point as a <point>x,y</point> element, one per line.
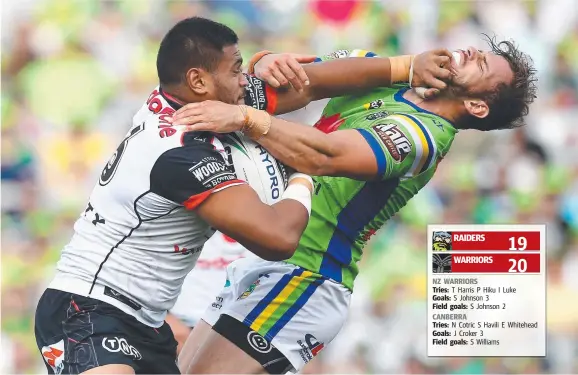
<point>477,108</point>
<point>197,80</point>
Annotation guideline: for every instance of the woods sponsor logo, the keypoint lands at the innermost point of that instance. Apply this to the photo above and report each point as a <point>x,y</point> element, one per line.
<point>394,140</point>
<point>211,172</point>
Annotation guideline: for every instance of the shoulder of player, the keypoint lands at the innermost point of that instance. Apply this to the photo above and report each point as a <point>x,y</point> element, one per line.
<point>194,145</point>
<point>199,163</point>
<point>193,148</point>
<point>402,134</point>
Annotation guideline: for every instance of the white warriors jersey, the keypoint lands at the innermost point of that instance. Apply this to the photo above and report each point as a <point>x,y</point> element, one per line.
<point>139,235</point>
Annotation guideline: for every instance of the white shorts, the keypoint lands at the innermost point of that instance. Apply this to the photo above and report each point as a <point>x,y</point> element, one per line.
<point>297,311</point>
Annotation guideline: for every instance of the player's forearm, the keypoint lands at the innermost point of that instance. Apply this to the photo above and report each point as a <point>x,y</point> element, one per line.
<point>277,237</point>
<point>301,147</point>
<point>271,232</point>
<point>345,76</point>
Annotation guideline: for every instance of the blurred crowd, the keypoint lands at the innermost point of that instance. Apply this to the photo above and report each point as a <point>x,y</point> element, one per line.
<point>75,71</point>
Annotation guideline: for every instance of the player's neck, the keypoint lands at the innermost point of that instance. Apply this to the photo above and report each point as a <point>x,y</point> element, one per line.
<point>441,106</point>
<point>179,95</point>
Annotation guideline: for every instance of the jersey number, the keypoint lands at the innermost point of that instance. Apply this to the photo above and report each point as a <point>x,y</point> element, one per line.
<point>112,165</point>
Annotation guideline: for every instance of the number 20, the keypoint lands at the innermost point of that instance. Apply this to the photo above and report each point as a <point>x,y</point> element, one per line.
<point>519,265</point>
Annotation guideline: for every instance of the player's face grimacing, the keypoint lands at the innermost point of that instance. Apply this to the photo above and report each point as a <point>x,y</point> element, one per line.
<point>228,79</point>
<point>478,73</point>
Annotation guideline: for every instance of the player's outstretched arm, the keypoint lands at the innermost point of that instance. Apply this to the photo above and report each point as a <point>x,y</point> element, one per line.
<point>270,232</point>
<point>350,75</point>
<point>366,153</point>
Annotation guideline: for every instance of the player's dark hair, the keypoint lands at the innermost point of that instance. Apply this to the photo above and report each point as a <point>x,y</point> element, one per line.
<point>192,43</point>
<point>509,103</point>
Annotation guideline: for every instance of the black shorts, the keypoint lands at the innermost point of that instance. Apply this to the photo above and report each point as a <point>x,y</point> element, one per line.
<point>76,333</point>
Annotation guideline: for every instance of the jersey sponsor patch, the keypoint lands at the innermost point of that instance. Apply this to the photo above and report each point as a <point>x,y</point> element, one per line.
<point>310,347</point>
<point>211,171</point>
<point>374,104</point>
<point>394,140</point>
<point>377,115</point>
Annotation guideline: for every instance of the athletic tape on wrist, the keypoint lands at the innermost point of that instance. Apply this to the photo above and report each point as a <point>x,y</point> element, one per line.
<point>256,122</point>
<point>400,68</point>
<point>301,175</point>
<point>299,193</point>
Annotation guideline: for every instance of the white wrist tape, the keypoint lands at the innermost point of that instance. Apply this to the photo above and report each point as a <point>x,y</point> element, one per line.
<point>299,193</point>
<point>301,175</point>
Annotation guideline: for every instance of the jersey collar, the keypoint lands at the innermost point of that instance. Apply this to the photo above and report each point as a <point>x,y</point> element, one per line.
<point>398,96</point>
<point>173,102</point>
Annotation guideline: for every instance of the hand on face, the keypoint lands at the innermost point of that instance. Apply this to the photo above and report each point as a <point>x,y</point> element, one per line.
<point>432,70</point>
<point>281,69</point>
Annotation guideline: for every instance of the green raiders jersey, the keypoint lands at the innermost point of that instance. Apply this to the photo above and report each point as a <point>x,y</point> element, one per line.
<point>408,143</point>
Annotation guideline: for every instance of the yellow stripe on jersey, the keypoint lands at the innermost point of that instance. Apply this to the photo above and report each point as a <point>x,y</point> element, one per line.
<point>420,137</point>
<point>278,301</point>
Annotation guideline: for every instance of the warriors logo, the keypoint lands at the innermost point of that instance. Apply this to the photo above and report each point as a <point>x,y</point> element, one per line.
<point>442,263</point>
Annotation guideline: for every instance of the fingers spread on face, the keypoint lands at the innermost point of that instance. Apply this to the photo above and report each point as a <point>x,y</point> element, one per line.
<point>436,83</point>
<point>442,73</point>
<point>442,61</point>
<point>443,52</point>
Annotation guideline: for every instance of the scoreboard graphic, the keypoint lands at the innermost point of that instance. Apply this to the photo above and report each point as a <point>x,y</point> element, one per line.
<point>486,290</point>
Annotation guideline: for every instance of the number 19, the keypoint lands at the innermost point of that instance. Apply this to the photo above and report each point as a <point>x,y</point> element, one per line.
<point>522,243</point>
